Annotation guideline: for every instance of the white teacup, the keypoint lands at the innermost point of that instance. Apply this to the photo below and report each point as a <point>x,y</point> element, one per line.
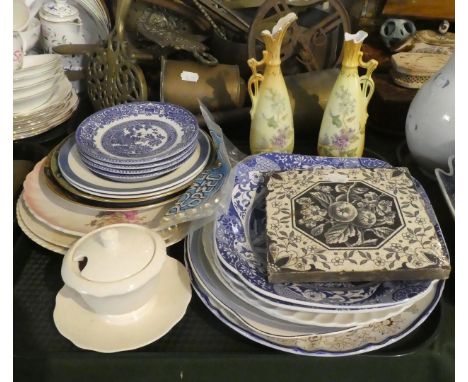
<point>17,51</point>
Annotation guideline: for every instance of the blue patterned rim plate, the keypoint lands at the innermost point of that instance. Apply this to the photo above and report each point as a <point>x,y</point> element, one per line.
<point>137,132</point>
<point>77,174</point>
<point>359,340</point>
<point>200,255</point>
<point>152,166</point>
<point>197,259</point>
<point>133,175</point>
<point>240,254</point>
<point>127,178</point>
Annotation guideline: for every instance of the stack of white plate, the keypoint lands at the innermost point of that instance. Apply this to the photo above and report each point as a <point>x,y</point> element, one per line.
<point>227,263</point>
<point>42,96</point>
<point>136,142</point>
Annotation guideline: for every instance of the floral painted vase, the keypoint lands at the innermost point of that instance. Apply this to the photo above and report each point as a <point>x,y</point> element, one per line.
<point>272,128</point>
<point>342,131</point>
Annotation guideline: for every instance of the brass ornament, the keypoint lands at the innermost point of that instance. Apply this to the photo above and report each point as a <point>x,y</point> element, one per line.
<point>113,74</point>
<point>172,32</point>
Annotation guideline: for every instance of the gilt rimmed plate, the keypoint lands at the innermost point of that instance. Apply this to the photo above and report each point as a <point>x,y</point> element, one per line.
<point>137,132</point>
<point>240,238</point>
<point>75,219</point>
<point>78,174</point>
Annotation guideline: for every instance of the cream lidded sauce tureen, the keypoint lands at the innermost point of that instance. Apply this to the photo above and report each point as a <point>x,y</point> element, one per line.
<point>115,268</point>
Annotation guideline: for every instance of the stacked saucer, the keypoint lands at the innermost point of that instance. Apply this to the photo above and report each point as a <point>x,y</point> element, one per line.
<point>63,199</point>
<point>43,97</point>
<point>227,261</point>
<point>137,142</point>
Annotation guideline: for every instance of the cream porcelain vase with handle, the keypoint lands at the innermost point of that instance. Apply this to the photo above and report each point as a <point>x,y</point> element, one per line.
<point>342,132</point>
<point>272,128</point>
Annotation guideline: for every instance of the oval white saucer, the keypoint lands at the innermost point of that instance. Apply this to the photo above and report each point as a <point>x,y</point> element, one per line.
<point>108,334</point>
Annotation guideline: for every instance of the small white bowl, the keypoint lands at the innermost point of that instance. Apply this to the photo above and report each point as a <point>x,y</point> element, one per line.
<point>39,87</point>
<point>36,65</point>
<point>121,270</point>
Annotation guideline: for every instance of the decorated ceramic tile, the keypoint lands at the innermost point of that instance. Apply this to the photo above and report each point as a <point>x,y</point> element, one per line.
<point>350,225</point>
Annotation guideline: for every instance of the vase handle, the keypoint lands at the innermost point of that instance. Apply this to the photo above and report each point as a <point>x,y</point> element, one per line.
<point>366,81</point>
<point>255,79</point>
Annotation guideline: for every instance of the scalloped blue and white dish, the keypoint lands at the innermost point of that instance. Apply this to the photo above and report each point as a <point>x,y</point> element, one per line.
<point>240,243</point>
<point>79,175</point>
<point>137,133</point>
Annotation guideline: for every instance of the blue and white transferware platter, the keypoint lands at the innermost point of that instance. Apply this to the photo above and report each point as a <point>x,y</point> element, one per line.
<point>243,256</point>
<point>358,340</point>
<point>203,272</point>
<point>76,173</point>
<point>137,132</point>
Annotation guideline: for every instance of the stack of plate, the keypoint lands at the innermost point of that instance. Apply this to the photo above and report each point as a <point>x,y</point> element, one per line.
<point>227,263</point>
<point>63,200</point>
<point>43,97</point>
<point>136,142</point>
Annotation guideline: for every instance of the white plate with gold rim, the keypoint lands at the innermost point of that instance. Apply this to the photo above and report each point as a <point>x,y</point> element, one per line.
<point>59,242</point>
<point>38,240</point>
<point>79,219</point>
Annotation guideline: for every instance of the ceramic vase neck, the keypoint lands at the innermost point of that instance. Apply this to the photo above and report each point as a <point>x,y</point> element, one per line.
<point>351,54</point>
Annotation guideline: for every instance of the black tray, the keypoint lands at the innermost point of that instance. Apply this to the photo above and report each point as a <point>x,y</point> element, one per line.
<point>200,347</point>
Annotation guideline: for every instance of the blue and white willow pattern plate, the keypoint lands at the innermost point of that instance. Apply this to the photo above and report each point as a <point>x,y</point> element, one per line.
<point>79,175</point>
<point>145,167</point>
<point>137,132</point>
<point>240,240</point>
